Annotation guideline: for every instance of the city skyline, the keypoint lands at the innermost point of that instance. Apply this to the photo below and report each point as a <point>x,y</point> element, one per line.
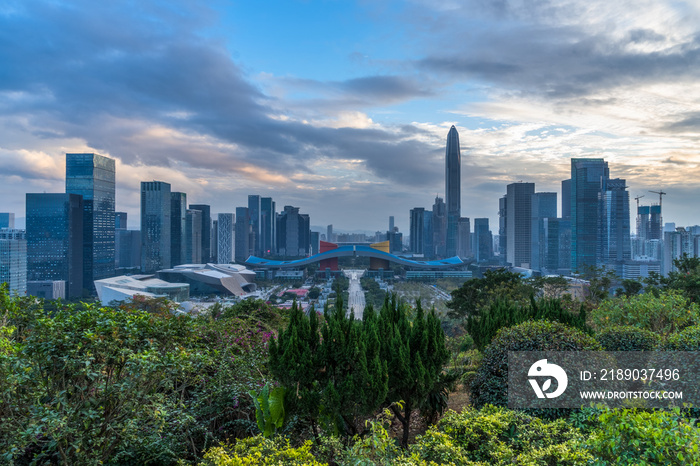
<point>336,106</point>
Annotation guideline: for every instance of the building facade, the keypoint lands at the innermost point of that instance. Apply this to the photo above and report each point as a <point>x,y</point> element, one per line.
<point>178,228</point>
<point>519,224</point>
<point>55,239</point>
<point>13,260</point>
<point>242,234</point>
<point>587,177</point>
<point>205,240</point>
<point>453,161</point>
<point>226,237</point>
<point>155,226</point>
<point>92,176</point>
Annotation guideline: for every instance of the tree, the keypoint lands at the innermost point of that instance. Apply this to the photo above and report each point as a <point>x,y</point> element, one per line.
<point>416,353</point>
<point>477,293</point>
<point>686,278</point>
<point>335,380</point>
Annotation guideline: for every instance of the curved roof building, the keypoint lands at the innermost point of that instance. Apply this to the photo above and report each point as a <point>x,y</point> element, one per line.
<point>378,254</point>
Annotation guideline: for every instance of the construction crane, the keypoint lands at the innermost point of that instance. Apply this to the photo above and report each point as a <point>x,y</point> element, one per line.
<point>637,199</point>
<point>661,194</point>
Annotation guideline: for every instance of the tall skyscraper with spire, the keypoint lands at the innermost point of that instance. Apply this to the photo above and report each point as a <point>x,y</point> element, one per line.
<point>453,161</point>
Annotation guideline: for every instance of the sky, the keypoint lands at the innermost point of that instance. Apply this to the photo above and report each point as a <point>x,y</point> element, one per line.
<point>342,108</point>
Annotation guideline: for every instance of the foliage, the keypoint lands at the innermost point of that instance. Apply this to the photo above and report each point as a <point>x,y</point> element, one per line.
<point>477,293</point>
<point>686,340</point>
<point>261,451</point>
<point>503,313</point>
<point>490,385</point>
<point>636,437</point>
<point>550,286</point>
<point>333,380</point>
<point>495,435</point>
<point>374,295</point>
<point>416,353</point>
<point>669,312</point>
<point>629,288</point>
<point>269,409</point>
<point>600,282</point>
<point>84,384</point>
<point>314,292</point>
<point>627,338</point>
<point>686,278</point>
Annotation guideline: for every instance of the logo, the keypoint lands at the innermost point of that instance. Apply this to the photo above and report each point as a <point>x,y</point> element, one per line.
<point>544,369</point>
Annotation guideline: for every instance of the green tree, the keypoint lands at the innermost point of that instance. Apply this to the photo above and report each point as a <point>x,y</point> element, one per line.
<point>476,293</point>
<point>415,349</point>
<point>335,380</point>
<point>686,278</point>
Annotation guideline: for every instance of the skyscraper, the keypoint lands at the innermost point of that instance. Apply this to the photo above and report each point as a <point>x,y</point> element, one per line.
<point>206,230</point>
<point>452,190</point>
<point>483,241</point>
<point>254,211</point>
<point>416,230</point>
<point>543,207</point>
<point>268,225</point>
<point>92,176</point>
<point>7,220</point>
<point>518,224</point>
<point>155,226</point>
<point>226,238</point>
<point>55,239</point>
<point>13,260</point>
<point>242,234</point>
<point>194,236</point>
<point>293,232</point>
<point>587,176</point>
<point>464,246</point>
<point>439,228</point>
<point>614,246</point>
<point>178,228</point>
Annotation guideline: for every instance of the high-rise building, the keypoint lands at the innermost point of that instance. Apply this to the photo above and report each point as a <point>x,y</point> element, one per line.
<point>391,223</point>
<point>519,224</point>
<point>315,242</point>
<point>120,220</point>
<point>566,199</point>
<point>127,246</point>
<point>13,260</point>
<point>194,236</point>
<point>464,246</point>
<point>155,226</point>
<point>614,243</point>
<point>502,230</point>
<point>329,234</point>
<point>92,176</point>
<point>543,206</point>
<point>587,177</point>
<point>214,241</point>
<point>55,239</point>
<point>483,240</point>
<point>7,220</point>
<point>268,226</point>
<point>452,191</point>
<point>293,233</point>
<point>439,228</point>
<point>206,230</point>
<point>242,234</point>
<point>557,242</point>
<point>254,211</point>
<point>416,238</point>
<point>178,228</point>
<point>226,246</point>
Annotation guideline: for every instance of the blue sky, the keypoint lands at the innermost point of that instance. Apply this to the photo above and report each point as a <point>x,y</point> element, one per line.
<point>342,108</point>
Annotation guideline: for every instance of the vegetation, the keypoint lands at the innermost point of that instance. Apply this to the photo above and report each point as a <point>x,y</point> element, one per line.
<point>490,385</point>
<point>627,338</point>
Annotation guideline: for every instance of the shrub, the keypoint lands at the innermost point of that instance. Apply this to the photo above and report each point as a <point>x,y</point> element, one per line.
<point>629,436</point>
<point>687,340</point>
<point>627,338</point>
<point>258,450</point>
<point>670,312</point>
<point>490,385</point>
<point>496,435</point>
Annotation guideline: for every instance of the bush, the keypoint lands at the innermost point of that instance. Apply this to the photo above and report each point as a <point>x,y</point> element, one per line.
<point>629,436</point>
<point>627,338</point>
<point>670,312</point>
<point>495,435</point>
<point>687,340</point>
<point>490,386</point>
<point>258,450</point>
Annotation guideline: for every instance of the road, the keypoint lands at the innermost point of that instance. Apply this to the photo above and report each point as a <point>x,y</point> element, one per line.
<point>356,300</point>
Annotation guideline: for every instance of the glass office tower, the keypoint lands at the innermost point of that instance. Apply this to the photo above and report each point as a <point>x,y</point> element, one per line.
<point>587,178</point>
<point>92,177</point>
<point>55,239</point>
<point>155,226</point>
<point>452,191</point>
